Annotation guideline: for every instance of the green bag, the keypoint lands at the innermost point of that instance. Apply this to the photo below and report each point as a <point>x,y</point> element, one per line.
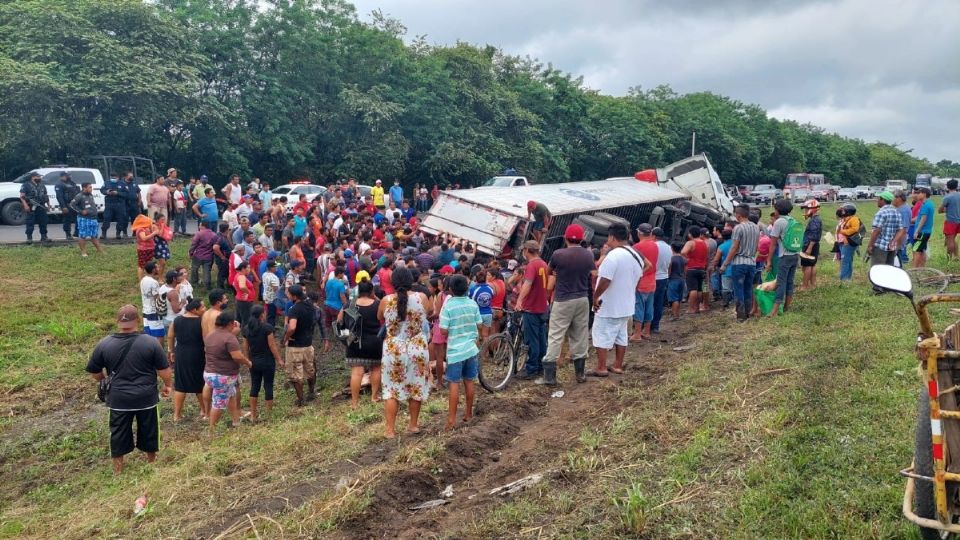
<point>793,235</point>
<point>766,299</point>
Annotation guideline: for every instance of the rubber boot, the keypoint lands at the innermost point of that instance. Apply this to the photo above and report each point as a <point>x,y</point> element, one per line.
<point>549,374</point>
<point>580,367</point>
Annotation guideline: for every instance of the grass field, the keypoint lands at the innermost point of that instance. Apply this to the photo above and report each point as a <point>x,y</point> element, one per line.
<point>786,428</point>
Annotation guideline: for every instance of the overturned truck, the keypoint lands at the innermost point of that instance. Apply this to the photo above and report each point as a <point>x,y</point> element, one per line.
<point>675,197</point>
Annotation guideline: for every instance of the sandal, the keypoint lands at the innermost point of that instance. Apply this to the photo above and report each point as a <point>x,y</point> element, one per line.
<point>618,371</point>
<point>595,373</point>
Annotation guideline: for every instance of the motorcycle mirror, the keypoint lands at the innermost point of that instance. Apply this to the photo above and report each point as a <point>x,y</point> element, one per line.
<point>891,279</point>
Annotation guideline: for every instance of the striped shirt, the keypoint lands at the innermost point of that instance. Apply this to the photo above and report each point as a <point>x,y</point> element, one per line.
<point>460,317</point>
<point>748,234</point>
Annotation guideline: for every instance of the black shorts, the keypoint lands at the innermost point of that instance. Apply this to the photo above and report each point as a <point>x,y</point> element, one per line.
<point>920,246</point>
<point>121,431</point>
<point>695,279</point>
<point>815,253</point>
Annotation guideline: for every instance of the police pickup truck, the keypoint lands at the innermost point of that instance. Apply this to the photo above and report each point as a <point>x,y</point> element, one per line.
<point>11,210</point>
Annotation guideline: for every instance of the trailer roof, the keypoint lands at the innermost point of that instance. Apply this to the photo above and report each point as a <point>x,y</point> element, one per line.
<point>570,197</point>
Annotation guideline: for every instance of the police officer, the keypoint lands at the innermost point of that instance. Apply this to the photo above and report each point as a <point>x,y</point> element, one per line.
<point>130,191</point>
<point>36,202</point>
<point>114,208</point>
<point>66,190</point>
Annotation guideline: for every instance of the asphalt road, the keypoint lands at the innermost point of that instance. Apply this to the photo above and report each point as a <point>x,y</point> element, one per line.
<point>17,234</point>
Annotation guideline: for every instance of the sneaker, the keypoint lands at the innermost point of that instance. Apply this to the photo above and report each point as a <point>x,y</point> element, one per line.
<point>83,254</point>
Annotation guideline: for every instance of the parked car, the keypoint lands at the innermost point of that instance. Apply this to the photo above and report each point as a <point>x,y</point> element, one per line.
<point>764,194</point>
<point>506,181</point>
<point>875,190</point>
<point>824,193</point>
<point>847,194</point>
<point>862,192</point>
<point>293,191</point>
<point>799,195</point>
<point>744,190</point>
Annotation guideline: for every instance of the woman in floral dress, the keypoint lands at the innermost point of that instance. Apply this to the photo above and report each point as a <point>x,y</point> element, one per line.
<point>405,371</point>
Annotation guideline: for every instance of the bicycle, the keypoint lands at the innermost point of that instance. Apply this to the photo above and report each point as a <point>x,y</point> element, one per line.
<point>928,280</point>
<point>503,354</point>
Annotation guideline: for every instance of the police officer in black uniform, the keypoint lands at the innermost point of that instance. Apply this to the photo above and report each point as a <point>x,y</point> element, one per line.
<point>114,209</point>
<point>36,202</point>
<point>130,191</point>
<point>66,190</point>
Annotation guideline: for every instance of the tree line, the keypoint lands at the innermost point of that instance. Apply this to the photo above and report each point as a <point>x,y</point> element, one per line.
<point>290,89</point>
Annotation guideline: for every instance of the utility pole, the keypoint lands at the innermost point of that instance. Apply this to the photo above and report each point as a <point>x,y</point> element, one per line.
<point>693,144</point>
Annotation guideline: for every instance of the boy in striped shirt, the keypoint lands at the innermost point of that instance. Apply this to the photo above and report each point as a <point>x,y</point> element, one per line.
<point>460,322</point>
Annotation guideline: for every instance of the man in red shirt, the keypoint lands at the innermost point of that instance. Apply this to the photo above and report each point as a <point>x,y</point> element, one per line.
<point>302,203</point>
<point>532,301</point>
<point>643,310</point>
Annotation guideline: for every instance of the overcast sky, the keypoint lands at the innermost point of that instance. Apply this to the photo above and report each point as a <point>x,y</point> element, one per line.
<point>884,70</point>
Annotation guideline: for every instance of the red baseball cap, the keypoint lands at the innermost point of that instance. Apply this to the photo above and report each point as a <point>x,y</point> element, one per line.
<point>531,204</point>
<point>573,233</point>
<point>446,270</point>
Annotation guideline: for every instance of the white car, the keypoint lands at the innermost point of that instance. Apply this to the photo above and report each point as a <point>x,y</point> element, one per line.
<point>506,181</point>
<point>293,191</point>
<point>11,209</point>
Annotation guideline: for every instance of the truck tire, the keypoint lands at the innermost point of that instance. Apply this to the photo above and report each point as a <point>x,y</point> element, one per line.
<point>613,219</point>
<point>12,213</point>
<point>599,225</point>
<point>657,216</point>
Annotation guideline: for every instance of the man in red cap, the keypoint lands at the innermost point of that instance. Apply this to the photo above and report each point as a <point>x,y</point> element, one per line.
<point>132,393</point>
<point>541,217</point>
<point>570,314</point>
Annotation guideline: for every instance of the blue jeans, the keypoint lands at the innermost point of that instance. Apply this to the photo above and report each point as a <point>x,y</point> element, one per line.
<point>846,261</point>
<point>535,338</point>
<point>659,299</point>
<point>743,285</point>
<point>180,221</point>
<point>716,283</point>
<point>786,274</point>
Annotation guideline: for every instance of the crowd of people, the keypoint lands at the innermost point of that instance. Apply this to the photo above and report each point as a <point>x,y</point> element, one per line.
<point>355,277</point>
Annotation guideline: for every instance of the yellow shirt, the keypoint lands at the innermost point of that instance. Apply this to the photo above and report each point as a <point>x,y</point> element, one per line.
<point>377,193</point>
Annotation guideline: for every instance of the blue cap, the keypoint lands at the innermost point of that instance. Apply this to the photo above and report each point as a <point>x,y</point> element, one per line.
<point>203,177</point>
<point>273,254</point>
<point>348,253</point>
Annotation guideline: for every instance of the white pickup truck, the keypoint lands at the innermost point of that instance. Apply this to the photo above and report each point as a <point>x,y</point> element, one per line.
<point>11,209</point>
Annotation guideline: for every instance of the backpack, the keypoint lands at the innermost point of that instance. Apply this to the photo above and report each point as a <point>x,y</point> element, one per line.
<point>857,238</point>
<point>349,329</point>
<point>793,236</point>
<point>161,305</point>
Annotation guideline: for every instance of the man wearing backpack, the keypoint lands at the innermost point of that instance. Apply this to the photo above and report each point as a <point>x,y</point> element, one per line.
<point>788,233</point>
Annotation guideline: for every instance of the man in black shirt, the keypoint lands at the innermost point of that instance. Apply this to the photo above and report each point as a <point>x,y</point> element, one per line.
<point>133,361</point>
<point>65,190</point>
<point>298,339</point>
<point>36,202</point>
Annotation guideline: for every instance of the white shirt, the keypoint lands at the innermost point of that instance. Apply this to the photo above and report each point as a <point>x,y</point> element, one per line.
<point>149,289</point>
<point>236,191</point>
<point>664,254</point>
<point>231,218</point>
<point>244,210</point>
<point>271,284</point>
<point>166,289</point>
<point>266,242</point>
<point>624,272</point>
<point>186,291</point>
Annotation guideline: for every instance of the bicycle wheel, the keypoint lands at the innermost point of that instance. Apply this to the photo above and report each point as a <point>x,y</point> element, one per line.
<point>496,362</point>
<point>928,280</point>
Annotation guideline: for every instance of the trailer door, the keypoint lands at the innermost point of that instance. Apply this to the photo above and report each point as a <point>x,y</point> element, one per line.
<point>488,229</point>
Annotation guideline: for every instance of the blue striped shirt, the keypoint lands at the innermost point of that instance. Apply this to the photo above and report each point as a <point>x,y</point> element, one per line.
<point>460,317</point>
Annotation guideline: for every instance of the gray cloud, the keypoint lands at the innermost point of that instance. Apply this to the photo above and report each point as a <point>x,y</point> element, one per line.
<point>875,69</point>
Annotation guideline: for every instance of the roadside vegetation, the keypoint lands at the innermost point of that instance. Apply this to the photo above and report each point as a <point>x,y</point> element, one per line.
<point>781,428</point>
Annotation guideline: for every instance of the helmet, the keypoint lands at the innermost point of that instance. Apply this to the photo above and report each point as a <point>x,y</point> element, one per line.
<point>849,209</point>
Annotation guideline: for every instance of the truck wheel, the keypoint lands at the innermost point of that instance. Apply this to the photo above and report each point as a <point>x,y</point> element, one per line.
<point>12,213</point>
<point>924,500</point>
<point>599,225</point>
